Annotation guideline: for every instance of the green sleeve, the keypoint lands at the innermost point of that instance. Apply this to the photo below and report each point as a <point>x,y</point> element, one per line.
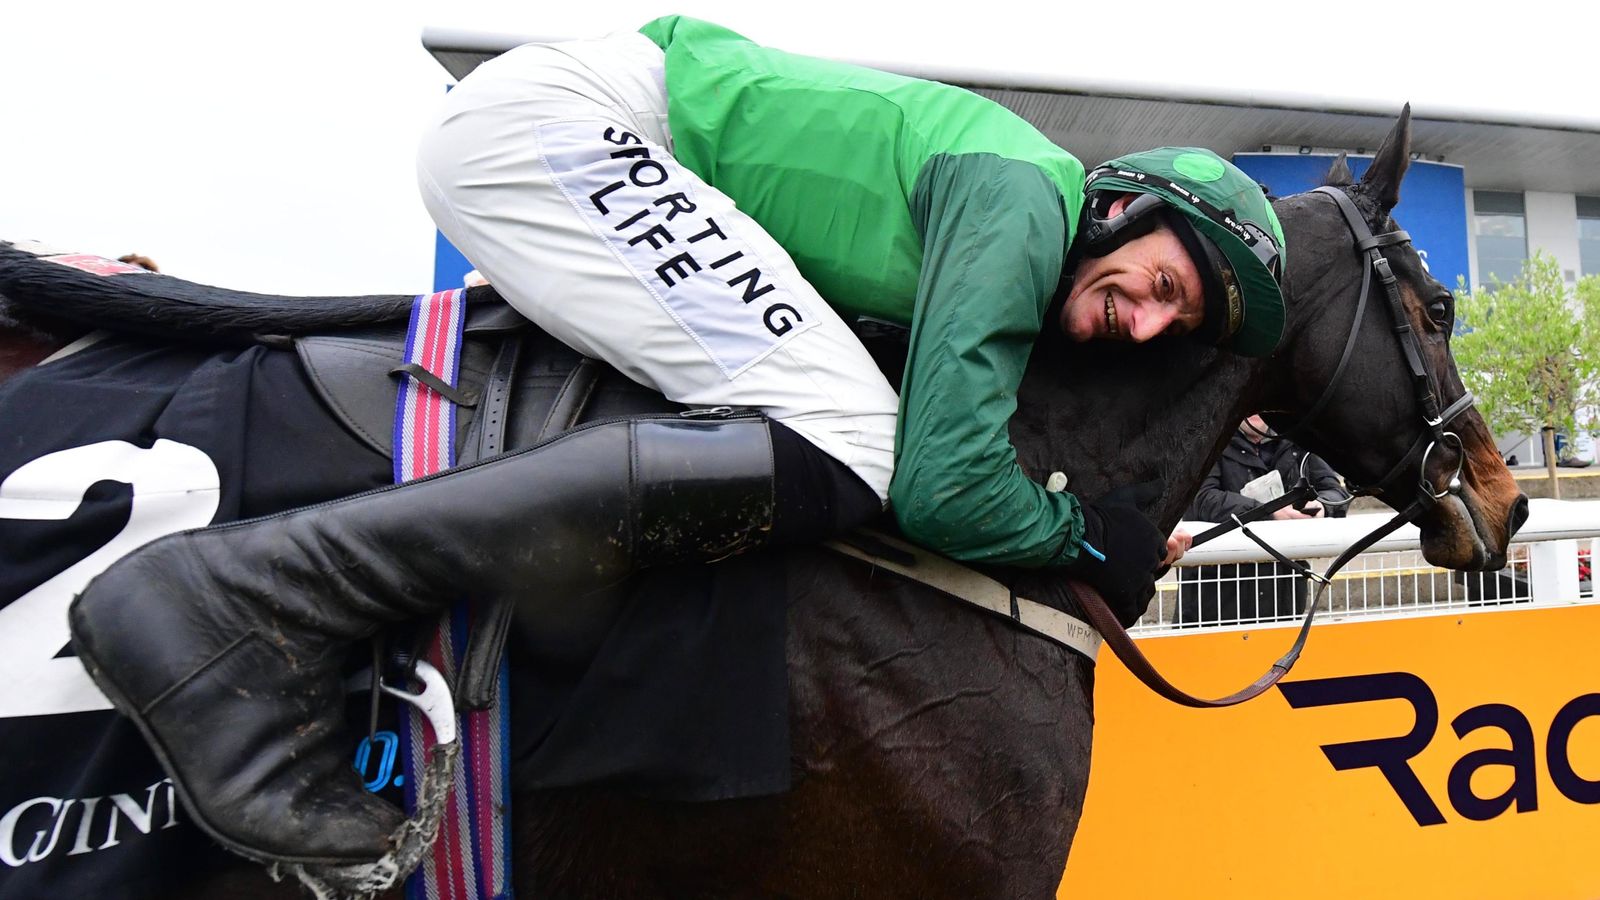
<point>994,231</point>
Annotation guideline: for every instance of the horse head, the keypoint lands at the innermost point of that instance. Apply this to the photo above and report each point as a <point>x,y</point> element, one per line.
<point>1112,414</point>
<point>1402,428</point>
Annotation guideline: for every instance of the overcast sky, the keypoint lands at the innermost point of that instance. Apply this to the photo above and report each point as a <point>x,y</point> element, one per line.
<point>269,146</point>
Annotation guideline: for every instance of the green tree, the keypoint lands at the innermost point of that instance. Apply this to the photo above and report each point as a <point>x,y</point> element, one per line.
<point>1529,353</point>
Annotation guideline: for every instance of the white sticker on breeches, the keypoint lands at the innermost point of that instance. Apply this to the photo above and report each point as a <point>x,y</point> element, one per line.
<point>642,203</point>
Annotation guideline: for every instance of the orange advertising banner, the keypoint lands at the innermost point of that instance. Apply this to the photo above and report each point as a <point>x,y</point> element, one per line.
<point>1442,756</point>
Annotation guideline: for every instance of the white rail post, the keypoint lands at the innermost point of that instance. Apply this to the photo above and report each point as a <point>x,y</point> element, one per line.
<point>1553,571</point>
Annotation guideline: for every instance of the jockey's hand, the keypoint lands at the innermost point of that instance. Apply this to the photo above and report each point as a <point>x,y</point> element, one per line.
<point>1122,549</point>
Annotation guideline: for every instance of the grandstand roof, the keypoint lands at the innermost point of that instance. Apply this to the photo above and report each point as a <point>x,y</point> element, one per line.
<point>1098,119</point>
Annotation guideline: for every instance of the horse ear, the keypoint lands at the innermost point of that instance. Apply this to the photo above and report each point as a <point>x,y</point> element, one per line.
<point>1339,174</point>
<point>1382,180</point>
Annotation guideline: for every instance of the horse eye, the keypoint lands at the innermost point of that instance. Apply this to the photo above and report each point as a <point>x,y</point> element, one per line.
<point>1439,311</point>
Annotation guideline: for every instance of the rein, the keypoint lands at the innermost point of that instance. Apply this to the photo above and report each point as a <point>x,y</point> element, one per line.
<point>1121,643</point>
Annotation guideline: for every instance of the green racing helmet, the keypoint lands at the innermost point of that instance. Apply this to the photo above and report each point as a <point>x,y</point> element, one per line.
<point>1222,218</point>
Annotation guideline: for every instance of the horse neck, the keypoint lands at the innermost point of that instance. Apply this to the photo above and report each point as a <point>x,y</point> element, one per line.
<point>1320,292</point>
<point>1108,415</point>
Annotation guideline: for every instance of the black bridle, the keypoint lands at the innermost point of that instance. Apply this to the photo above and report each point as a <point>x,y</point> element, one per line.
<point>1423,383</point>
<point>1422,380</point>
<point>1435,435</point>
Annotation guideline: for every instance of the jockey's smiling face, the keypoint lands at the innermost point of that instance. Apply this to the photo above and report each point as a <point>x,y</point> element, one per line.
<point>1147,287</point>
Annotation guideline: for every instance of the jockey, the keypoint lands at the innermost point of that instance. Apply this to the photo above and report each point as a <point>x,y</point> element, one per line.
<point>707,216</point>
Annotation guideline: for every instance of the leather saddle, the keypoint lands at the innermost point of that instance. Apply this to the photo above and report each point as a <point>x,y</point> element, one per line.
<point>518,385</point>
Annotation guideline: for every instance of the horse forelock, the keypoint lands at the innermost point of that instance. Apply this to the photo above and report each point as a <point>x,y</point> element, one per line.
<point>1377,217</point>
<point>1339,174</point>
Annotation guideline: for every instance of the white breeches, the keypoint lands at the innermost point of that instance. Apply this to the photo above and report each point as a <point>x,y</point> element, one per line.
<point>550,168</point>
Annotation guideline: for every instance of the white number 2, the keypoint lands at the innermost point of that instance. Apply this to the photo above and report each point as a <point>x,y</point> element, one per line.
<point>175,487</point>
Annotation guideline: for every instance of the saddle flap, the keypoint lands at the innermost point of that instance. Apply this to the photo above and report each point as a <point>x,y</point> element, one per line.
<point>351,375</point>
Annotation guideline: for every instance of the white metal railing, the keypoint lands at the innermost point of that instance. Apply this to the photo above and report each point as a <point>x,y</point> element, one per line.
<point>1232,582</point>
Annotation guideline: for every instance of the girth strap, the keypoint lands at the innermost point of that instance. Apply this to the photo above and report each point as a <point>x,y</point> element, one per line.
<point>484,661</point>
<point>488,435</point>
<point>471,857</point>
<point>485,657</point>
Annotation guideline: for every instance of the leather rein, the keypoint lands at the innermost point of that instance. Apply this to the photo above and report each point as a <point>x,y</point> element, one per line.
<point>1433,436</point>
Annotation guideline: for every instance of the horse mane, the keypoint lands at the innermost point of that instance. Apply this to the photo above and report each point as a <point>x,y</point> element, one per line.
<point>1110,414</point>
<point>31,325</point>
<point>44,295</point>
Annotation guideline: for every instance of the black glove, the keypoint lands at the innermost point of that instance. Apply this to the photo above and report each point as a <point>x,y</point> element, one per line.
<point>1122,549</point>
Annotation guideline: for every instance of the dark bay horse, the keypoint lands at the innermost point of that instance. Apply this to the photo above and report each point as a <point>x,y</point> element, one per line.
<point>939,752</point>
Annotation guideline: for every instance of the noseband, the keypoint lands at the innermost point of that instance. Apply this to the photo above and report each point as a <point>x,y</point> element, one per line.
<point>1434,436</point>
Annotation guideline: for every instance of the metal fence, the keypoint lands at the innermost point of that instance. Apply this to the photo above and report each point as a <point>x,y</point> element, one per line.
<point>1231,582</point>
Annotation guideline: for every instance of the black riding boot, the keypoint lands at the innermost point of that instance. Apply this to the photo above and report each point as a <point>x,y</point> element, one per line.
<point>225,644</point>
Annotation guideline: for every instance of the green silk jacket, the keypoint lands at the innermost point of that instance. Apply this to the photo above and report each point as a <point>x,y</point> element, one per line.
<point>914,202</point>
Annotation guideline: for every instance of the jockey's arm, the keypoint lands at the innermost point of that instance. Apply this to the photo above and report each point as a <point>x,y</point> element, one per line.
<point>994,231</point>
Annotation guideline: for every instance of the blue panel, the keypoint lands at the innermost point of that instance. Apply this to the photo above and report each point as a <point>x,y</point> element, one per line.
<point>449,266</point>
<point>1433,202</point>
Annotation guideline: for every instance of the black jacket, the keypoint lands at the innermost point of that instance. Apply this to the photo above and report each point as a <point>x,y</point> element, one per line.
<point>1243,461</point>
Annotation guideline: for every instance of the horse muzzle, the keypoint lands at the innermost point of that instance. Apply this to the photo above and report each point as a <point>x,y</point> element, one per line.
<point>1465,531</point>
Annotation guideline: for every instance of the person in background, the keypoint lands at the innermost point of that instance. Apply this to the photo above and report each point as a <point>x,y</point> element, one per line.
<point>140,260</point>
<point>1257,467</point>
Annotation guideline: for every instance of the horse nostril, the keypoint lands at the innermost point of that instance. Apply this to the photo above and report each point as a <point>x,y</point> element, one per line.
<point>1519,514</point>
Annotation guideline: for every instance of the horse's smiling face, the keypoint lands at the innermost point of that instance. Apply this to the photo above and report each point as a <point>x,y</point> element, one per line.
<point>1374,430</point>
